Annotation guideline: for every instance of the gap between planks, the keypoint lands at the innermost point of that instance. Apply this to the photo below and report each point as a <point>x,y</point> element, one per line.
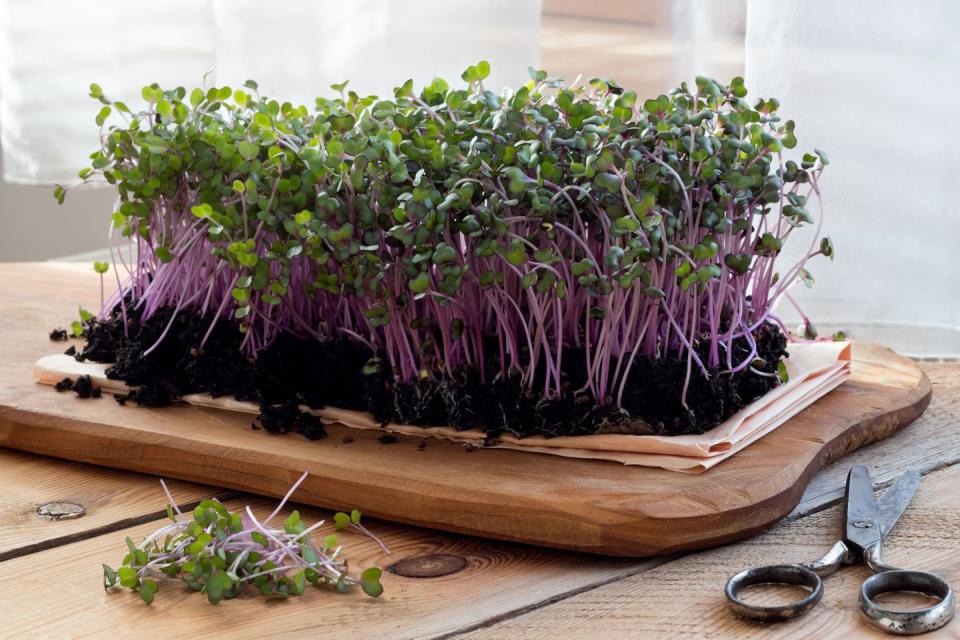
<point>532,580</point>
<point>929,444</point>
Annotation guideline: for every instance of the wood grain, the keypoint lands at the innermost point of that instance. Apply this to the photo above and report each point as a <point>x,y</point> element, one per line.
<point>575,504</point>
<point>113,612</point>
<point>684,598</point>
<point>57,593</point>
<point>108,497</point>
<point>930,443</point>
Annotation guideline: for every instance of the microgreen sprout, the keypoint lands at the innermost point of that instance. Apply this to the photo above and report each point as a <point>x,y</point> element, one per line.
<point>220,553</point>
<point>342,521</point>
<point>101,268</point>
<point>438,225</point>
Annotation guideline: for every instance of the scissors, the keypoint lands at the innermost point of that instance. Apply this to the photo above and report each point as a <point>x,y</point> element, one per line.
<point>866,521</point>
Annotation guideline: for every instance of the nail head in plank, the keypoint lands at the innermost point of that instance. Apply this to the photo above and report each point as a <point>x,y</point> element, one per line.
<point>37,491</point>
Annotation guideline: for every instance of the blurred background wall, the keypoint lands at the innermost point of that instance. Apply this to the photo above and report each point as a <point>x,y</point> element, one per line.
<point>647,45</point>
<point>875,84</point>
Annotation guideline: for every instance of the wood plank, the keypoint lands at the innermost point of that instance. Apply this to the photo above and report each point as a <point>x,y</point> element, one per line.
<point>57,592</point>
<point>941,397</point>
<point>110,499</point>
<point>576,504</point>
<point>930,443</point>
<point>684,598</point>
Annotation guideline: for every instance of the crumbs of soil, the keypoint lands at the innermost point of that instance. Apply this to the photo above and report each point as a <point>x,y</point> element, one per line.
<point>287,416</point>
<point>83,386</point>
<point>343,373</point>
<point>387,438</point>
<point>58,335</point>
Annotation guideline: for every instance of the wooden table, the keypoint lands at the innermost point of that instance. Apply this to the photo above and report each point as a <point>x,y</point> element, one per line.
<point>50,574</point>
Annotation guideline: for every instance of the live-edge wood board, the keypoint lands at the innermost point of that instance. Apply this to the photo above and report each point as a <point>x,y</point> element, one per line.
<point>593,506</point>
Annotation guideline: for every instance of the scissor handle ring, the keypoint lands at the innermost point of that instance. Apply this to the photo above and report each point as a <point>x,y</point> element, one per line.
<point>774,574</point>
<point>907,623</point>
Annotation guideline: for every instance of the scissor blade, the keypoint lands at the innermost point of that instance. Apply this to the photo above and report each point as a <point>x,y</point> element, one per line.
<point>894,501</point>
<point>861,521</point>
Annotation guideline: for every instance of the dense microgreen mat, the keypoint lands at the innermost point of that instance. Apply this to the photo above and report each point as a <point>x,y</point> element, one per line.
<point>222,553</point>
<point>519,235</point>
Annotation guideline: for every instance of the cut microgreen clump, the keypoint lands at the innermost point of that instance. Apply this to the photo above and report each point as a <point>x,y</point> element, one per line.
<point>558,236</point>
<point>221,553</point>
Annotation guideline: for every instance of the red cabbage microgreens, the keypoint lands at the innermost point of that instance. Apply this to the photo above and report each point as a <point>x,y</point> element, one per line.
<point>220,553</point>
<point>551,217</point>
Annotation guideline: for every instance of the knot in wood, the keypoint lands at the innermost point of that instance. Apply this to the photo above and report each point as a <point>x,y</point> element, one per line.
<point>431,565</point>
<point>60,511</point>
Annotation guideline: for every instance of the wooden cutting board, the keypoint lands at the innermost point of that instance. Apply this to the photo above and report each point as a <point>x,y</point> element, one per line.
<point>585,505</point>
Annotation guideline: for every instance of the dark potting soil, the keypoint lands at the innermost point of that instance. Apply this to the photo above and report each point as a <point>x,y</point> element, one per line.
<point>58,335</point>
<point>346,374</point>
<point>286,416</point>
<point>83,386</point>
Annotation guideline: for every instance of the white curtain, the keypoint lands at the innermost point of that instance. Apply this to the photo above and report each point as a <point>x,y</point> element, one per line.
<point>305,46</point>
<point>51,51</point>
<point>876,84</point>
